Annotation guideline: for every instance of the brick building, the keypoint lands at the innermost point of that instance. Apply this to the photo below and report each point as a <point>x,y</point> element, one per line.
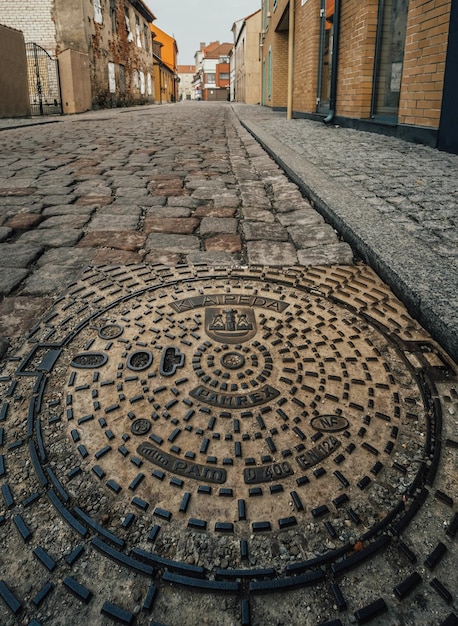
<point>381,65</point>
<point>212,79</point>
<point>104,47</point>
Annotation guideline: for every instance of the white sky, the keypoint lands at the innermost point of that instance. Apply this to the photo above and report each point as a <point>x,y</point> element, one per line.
<point>193,21</point>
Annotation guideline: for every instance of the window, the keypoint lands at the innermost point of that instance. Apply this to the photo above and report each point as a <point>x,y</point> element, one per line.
<point>122,79</point>
<point>211,78</point>
<point>138,31</point>
<point>146,36</point>
<point>269,74</point>
<point>113,15</point>
<point>149,85</point>
<point>224,76</point>
<point>391,36</point>
<point>98,17</point>
<point>111,77</point>
<point>130,36</point>
<point>142,83</point>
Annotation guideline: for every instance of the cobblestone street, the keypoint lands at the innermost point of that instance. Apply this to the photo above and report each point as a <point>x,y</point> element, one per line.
<point>213,409</point>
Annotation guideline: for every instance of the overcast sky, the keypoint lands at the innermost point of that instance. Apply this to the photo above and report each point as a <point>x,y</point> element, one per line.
<point>193,21</point>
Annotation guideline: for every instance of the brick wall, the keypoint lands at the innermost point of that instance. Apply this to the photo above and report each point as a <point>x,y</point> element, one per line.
<point>37,28</point>
<point>358,29</point>
<point>278,43</point>
<point>306,55</point>
<point>424,62</point>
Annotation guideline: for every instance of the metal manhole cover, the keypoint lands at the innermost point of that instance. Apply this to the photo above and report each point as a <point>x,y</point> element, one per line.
<point>235,403</point>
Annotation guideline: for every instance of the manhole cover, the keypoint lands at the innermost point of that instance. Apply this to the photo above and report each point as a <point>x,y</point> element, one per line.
<point>229,403</point>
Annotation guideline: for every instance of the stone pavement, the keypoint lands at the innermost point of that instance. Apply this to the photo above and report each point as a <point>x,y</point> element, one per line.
<point>212,410</point>
<point>395,202</point>
<point>166,184</point>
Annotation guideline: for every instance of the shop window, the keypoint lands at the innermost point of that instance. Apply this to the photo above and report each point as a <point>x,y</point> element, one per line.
<point>389,58</point>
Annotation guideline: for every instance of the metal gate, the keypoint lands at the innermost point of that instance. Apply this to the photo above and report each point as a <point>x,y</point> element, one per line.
<point>44,83</point>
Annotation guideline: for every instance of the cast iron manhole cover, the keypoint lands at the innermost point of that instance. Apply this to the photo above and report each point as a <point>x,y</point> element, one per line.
<point>235,403</point>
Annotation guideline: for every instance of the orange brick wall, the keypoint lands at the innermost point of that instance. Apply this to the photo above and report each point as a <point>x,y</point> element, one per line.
<point>306,50</point>
<point>423,70</point>
<point>358,29</point>
<point>424,62</point>
<point>279,43</point>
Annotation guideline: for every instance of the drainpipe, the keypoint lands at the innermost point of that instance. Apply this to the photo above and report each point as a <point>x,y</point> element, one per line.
<point>335,51</point>
<point>292,15</point>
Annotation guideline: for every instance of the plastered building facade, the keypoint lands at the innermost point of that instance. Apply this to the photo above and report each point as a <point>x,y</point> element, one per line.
<point>104,48</point>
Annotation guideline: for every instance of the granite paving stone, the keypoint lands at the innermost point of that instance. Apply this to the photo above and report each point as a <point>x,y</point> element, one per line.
<point>173,243</point>
<point>24,221</point>
<point>282,254</point>
<point>68,209</point>
<point>110,256</point>
<point>166,212</point>
<point>70,257</point>
<point>224,242</point>
<point>210,226</point>
<point>51,237</point>
<point>210,211</point>
<point>122,240</point>
<point>253,214</point>
<point>262,230</point>
<point>329,254</point>
<point>301,217</point>
<point>10,278</point>
<point>5,233</point>
<point>18,254</point>
<point>50,278</point>
<point>312,236</point>
<point>73,221</point>
<point>178,225</point>
<point>113,221</point>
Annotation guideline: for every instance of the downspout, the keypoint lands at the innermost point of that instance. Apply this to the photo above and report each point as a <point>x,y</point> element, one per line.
<point>335,51</point>
<point>292,15</point>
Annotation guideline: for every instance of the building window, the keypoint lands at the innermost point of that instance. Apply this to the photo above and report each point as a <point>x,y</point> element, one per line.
<point>146,36</point>
<point>224,76</point>
<point>389,57</point>
<point>111,77</point>
<point>122,79</point>
<point>98,17</point>
<point>130,36</point>
<point>136,79</point>
<point>149,85</point>
<point>138,31</point>
<point>275,5</point>
<point>269,74</point>
<point>211,78</point>
<point>113,15</point>
<point>142,83</point>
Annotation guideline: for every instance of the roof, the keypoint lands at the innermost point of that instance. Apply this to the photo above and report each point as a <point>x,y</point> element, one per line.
<point>216,50</point>
<point>141,7</point>
<point>186,69</point>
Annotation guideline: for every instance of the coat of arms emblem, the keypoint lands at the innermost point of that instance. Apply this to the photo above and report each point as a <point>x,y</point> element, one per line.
<point>230,325</point>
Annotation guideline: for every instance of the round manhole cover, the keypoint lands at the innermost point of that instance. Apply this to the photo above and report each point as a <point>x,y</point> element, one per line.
<point>237,405</point>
